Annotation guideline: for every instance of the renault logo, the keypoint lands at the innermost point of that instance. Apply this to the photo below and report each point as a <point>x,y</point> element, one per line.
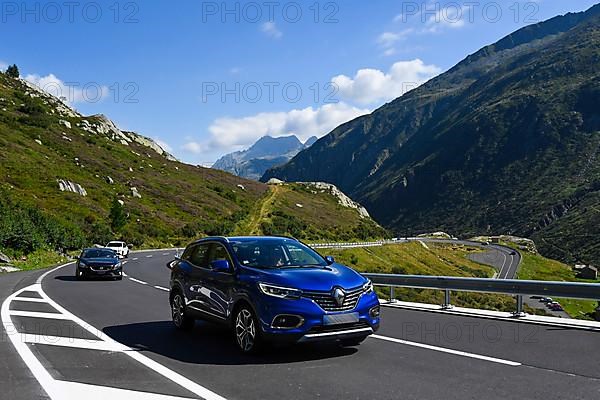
<point>339,296</point>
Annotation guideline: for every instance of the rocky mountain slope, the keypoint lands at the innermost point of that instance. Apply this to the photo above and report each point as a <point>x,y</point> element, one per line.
<point>266,153</point>
<point>506,142</point>
<point>68,180</point>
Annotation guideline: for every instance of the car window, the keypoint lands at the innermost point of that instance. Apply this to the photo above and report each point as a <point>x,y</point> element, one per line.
<point>98,253</point>
<point>199,256</point>
<point>115,244</point>
<point>275,253</point>
<point>219,252</point>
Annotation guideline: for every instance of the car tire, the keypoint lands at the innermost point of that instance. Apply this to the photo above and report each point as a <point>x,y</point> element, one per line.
<point>352,342</point>
<point>179,314</point>
<point>78,274</point>
<point>246,330</point>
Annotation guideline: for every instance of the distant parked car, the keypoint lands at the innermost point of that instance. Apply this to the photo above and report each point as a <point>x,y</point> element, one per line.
<point>99,263</point>
<point>546,300</point>
<point>513,253</point>
<point>555,306</point>
<point>120,248</point>
<point>536,297</point>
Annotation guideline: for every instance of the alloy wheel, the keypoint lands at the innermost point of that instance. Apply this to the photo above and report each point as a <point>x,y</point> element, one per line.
<point>245,330</point>
<point>177,310</point>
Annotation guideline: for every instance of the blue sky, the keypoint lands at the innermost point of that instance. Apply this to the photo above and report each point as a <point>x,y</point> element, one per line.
<point>206,78</point>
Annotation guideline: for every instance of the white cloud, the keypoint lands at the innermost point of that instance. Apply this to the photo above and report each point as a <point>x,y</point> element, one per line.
<point>230,134</point>
<point>3,66</point>
<point>452,16</point>
<point>387,40</point>
<point>371,86</point>
<point>193,147</point>
<point>270,29</point>
<point>71,92</point>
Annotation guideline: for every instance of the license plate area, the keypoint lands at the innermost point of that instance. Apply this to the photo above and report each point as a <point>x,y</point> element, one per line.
<point>339,319</point>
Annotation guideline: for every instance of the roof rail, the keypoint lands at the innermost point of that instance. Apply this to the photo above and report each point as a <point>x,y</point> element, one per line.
<point>213,238</point>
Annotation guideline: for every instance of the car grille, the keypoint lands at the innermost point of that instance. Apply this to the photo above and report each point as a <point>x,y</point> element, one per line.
<point>327,302</point>
<point>102,267</point>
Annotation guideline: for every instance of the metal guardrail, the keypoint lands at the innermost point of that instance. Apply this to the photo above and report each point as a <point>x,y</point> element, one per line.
<point>518,288</point>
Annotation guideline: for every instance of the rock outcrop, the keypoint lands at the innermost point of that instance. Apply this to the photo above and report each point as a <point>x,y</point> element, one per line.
<point>342,198</point>
<point>68,186</point>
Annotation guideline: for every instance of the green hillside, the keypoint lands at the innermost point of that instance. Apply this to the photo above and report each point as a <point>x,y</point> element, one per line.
<point>506,142</point>
<point>121,185</point>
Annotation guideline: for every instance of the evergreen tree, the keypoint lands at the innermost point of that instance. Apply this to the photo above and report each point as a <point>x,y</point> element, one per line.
<point>118,217</point>
<point>13,71</point>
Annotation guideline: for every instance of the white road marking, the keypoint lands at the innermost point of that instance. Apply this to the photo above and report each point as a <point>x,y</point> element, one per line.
<point>138,281</point>
<point>77,390</point>
<point>165,254</point>
<point>124,274</point>
<point>449,351</point>
<point>72,342</point>
<point>135,259</point>
<point>161,288</point>
<point>502,268</point>
<point>33,314</point>
<point>30,299</point>
<point>62,390</point>
<point>150,256</point>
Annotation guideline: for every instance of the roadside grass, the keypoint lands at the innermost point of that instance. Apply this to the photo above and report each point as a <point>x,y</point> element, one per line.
<point>434,259</point>
<point>536,267</point>
<point>40,259</point>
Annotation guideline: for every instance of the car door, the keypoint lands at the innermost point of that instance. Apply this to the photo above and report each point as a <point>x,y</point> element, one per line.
<point>196,275</point>
<point>220,286</point>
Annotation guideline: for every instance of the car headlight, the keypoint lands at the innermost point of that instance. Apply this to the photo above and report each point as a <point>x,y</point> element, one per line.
<point>278,291</point>
<point>118,265</point>
<point>368,287</point>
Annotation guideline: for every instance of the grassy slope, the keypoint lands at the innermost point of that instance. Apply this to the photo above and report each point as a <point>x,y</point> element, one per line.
<point>179,202</point>
<point>451,260</point>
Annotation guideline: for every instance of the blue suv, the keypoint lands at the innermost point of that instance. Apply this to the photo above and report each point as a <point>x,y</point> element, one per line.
<point>271,289</point>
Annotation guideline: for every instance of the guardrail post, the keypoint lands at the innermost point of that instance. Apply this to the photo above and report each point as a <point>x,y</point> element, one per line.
<point>519,311</point>
<point>447,304</point>
<point>392,295</point>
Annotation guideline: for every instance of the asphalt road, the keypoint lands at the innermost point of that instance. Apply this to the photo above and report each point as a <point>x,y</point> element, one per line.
<point>120,344</point>
<point>499,257</point>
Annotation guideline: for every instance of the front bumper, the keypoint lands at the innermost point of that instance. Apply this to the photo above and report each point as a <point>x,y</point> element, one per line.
<point>108,273</point>
<point>313,328</point>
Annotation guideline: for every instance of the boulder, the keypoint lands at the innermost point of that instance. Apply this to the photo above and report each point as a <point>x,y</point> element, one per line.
<point>66,124</point>
<point>275,181</point>
<point>135,193</point>
<point>4,259</point>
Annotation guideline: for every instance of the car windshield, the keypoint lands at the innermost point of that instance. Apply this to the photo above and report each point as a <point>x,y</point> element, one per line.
<point>114,244</point>
<point>99,253</point>
<point>275,253</point>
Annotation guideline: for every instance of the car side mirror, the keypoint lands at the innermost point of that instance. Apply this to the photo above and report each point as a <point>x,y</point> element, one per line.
<point>171,264</point>
<point>220,266</point>
<point>130,246</point>
<point>330,260</point>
